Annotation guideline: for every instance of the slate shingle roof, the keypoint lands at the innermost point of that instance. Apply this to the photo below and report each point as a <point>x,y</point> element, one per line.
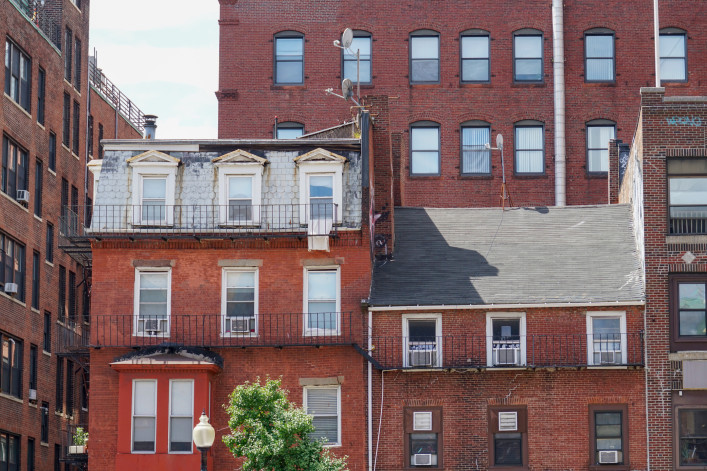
<point>581,254</point>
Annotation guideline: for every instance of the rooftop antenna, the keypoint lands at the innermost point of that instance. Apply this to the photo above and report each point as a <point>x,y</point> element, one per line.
<point>347,38</point>
<point>505,194</point>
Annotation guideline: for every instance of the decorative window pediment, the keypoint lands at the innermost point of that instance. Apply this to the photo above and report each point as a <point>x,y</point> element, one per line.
<point>239,157</point>
<point>153,157</point>
<point>320,155</point>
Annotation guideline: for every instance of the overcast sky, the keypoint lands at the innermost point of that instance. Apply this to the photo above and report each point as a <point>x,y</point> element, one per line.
<point>162,54</point>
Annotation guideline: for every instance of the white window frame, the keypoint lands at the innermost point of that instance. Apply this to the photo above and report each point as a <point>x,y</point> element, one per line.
<point>141,170</point>
<point>309,169</point>
<point>437,317</point>
<point>136,300</point>
<point>169,422</point>
<point>490,316</point>
<point>305,393</point>
<point>253,170</point>
<point>132,418</point>
<point>224,303</point>
<point>622,332</point>
<point>306,331</point>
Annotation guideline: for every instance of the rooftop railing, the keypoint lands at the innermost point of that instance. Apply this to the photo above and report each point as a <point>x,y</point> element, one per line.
<point>529,351</point>
<point>201,221</point>
<point>122,103</point>
<point>215,330</point>
<point>46,15</point>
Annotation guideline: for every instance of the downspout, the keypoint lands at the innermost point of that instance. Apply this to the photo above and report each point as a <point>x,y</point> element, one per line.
<point>558,66</point>
<point>656,34</point>
<point>370,393</point>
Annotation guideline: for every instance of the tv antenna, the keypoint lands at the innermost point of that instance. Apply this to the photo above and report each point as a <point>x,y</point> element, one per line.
<point>505,194</point>
<point>347,38</point>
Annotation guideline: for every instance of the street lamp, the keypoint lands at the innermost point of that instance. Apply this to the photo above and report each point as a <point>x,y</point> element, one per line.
<point>203,436</point>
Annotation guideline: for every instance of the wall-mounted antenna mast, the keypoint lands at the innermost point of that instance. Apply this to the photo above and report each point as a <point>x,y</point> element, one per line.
<point>346,84</point>
<point>505,194</point>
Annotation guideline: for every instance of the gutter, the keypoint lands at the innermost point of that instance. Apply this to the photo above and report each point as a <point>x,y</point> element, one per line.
<point>451,307</point>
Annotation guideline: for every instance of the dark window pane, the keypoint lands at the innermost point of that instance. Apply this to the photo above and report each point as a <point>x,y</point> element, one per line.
<point>508,449</point>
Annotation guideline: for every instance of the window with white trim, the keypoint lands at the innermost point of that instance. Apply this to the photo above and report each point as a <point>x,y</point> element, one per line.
<point>323,403</point>
<point>239,301</point>
<point>181,415</point>
<point>606,338</point>
<point>240,176</point>
<point>144,427</point>
<point>322,301</point>
<point>152,301</point>
<point>422,340</point>
<point>153,185</point>
<point>505,339</point>
<point>321,193</point>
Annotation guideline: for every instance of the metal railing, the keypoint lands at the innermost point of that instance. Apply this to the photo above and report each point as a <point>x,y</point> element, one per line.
<point>529,351</point>
<point>202,221</point>
<point>688,220</point>
<point>46,14</point>
<point>123,104</point>
<point>72,339</point>
<point>72,452</point>
<point>215,330</point>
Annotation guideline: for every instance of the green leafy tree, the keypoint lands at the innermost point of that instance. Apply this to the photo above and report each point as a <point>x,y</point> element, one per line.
<point>272,434</point>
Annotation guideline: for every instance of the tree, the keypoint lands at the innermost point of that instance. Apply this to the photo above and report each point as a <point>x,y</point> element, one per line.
<point>272,433</point>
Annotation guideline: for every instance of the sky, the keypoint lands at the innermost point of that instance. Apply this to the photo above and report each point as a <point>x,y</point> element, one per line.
<point>163,55</point>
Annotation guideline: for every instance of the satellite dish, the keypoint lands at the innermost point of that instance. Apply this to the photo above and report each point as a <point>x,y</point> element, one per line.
<point>347,88</point>
<point>499,141</point>
<point>346,38</point>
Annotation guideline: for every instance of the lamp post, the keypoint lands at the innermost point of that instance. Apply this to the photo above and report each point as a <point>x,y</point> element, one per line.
<point>203,436</point>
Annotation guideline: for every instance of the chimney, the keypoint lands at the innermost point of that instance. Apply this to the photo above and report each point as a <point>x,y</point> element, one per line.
<point>150,126</point>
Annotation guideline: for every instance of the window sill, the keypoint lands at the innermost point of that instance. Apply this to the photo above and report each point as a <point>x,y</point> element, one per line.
<point>607,367</point>
<point>603,467</point>
<point>51,172</point>
<point>44,444</point>
<point>508,468</point>
<point>63,146</point>
<point>476,177</point>
<point>526,85</point>
<point>33,405</point>
<point>46,353</point>
<point>41,126</point>
<point>591,84</point>
<point>680,84</point>
<point>74,154</point>
<point>14,201</point>
<point>12,398</point>
<point>49,263</point>
<point>34,309</point>
<point>686,239</point>
<point>475,85</point>
<point>424,86</point>
<point>595,175</point>
<point>530,175</point>
<point>292,86</point>
<point>19,107</point>
<point>429,176</point>
<point>38,218</point>
<point>13,299</point>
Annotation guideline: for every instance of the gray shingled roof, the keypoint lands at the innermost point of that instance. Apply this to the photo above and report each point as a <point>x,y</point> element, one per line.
<point>581,254</point>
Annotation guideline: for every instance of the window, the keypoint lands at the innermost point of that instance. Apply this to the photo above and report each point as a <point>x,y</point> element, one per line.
<point>47,335</point>
<point>476,159</point>
<point>606,343</point>
<point>687,195</point>
<point>144,415</point>
<point>77,3</point>
<point>361,43</point>
<point>475,53</point>
<point>322,301</point>
<point>688,312</point>
<point>599,133</point>
<point>181,415</point>
<point>673,55</point>
<point>66,123</point>
<point>52,152</point>
<point>30,454</point>
<point>18,73</point>
<point>424,148</point>
<point>57,457</point>
<point>49,252</point>
<point>530,148</point>
<point>12,265</point>
<point>11,370</point>
<point>62,293</point>
<point>154,196</point>
<point>599,56</point>
<point>423,437</point>
<point>609,434</point>
<point>691,435</point>
<point>41,94</point>
<point>323,403</point>
<point>528,56</point>
<point>100,140</point>
<point>152,301</point>
<point>506,339</point>
<point>77,64</point>
<point>154,176</point>
<point>422,338</point>
<point>508,436</point>
<point>68,49</point>
<point>14,168</point>
<point>424,57</point>
<point>239,301</point>
<point>59,384</point>
<point>89,144</point>
<point>84,392</point>
<point>289,58</point>
<point>33,367</point>
<point>72,297</point>
<point>240,178</point>
<point>9,452</point>
<point>45,422</point>
<point>69,387</point>
<point>289,130</point>
<point>320,190</point>
<point>65,221</point>
<point>77,130</point>
<point>35,280</point>
<point>38,180</point>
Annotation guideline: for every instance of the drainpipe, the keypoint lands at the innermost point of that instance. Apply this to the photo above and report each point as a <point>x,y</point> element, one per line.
<point>370,392</point>
<point>558,66</point>
<point>656,34</point>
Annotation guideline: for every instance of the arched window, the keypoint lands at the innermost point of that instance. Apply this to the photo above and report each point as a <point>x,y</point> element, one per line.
<point>475,157</point>
<point>475,51</point>
<point>289,130</point>
<point>599,55</point>
<point>528,55</point>
<point>424,56</point>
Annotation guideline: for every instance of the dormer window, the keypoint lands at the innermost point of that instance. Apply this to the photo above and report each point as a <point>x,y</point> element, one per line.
<point>321,181</point>
<point>154,176</point>
<point>240,176</point>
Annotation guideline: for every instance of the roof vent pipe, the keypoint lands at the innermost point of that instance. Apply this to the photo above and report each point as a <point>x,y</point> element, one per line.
<point>150,126</point>
<point>558,66</point>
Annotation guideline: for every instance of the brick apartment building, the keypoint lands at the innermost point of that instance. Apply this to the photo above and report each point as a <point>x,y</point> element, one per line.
<point>45,122</point>
<point>662,174</point>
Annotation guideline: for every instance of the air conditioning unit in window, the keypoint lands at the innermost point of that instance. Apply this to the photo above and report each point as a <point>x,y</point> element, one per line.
<point>506,355</point>
<point>23,196</point>
<point>422,459</point>
<point>612,357</point>
<point>423,358</point>
<point>33,395</point>
<point>11,288</point>
<point>154,326</point>
<point>608,457</point>
<point>240,325</point>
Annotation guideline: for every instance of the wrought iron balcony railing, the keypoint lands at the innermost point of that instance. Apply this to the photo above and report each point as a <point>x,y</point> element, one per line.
<point>529,351</point>
<point>201,221</point>
<point>215,330</point>
<point>46,14</point>
<point>72,338</point>
<point>74,448</point>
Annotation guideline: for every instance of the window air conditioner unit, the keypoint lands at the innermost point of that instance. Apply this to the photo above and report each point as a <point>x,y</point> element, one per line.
<point>608,457</point>
<point>240,325</point>
<point>506,356</point>
<point>33,395</point>
<point>23,196</point>
<point>612,357</point>
<point>422,459</point>
<point>11,288</point>
<point>154,326</point>
<point>423,358</point>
